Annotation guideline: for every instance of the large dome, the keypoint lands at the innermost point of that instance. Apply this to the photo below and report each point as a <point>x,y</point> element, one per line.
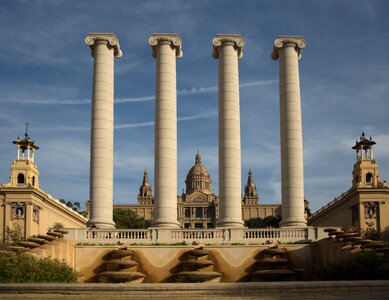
<point>198,178</point>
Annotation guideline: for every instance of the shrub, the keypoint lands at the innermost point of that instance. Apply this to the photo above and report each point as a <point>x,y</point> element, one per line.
<point>25,268</point>
<point>365,265</point>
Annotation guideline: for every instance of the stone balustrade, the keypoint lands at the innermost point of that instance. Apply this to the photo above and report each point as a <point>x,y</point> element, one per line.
<point>212,236</point>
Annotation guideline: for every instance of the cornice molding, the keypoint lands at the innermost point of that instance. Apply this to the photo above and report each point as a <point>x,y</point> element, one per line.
<point>173,38</point>
<point>236,39</point>
<point>109,38</point>
<point>282,41</point>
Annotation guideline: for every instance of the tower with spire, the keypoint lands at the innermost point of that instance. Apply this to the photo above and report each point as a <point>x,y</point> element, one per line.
<point>145,196</point>
<point>24,171</point>
<point>250,191</point>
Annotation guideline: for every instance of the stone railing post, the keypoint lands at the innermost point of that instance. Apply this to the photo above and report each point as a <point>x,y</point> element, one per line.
<point>228,49</point>
<point>104,47</point>
<point>288,50</point>
<point>165,48</point>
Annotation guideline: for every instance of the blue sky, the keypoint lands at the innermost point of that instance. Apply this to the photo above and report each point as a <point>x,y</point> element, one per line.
<point>46,80</point>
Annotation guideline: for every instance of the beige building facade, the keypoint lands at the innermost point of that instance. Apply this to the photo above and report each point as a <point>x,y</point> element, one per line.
<point>197,206</point>
<point>365,206</point>
<point>24,206</point>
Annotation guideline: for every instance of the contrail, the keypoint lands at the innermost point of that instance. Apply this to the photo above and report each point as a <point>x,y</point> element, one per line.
<point>117,127</point>
<point>85,101</point>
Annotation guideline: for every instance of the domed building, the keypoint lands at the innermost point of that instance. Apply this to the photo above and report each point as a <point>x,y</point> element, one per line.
<point>198,206</point>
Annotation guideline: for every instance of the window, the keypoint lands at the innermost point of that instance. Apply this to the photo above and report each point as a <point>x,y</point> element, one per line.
<point>187,212</point>
<point>33,180</point>
<point>20,179</point>
<point>198,225</point>
<point>210,212</point>
<point>199,212</point>
<point>354,214</point>
<point>369,178</point>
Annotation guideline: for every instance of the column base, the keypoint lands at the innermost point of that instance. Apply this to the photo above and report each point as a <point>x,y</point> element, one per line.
<point>230,223</point>
<point>100,225</point>
<point>163,223</point>
<point>293,223</point>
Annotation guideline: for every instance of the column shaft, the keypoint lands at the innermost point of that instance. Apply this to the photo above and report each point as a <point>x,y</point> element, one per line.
<point>288,49</point>
<point>101,148</point>
<point>166,47</point>
<point>228,48</point>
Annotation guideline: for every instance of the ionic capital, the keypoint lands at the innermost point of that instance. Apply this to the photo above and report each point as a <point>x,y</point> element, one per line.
<point>288,41</point>
<point>173,38</point>
<point>236,39</point>
<point>109,38</point>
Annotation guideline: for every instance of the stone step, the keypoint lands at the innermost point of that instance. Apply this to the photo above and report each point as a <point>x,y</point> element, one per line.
<point>55,234</point>
<point>17,248</point>
<point>199,276</point>
<point>121,253</point>
<point>46,237</point>
<point>198,263</point>
<point>38,241</point>
<point>28,244</point>
<point>198,252</point>
<point>120,262</point>
<point>277,260</point>
<point>274,251</point>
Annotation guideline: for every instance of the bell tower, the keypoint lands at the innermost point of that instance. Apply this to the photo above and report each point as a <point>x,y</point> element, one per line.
<point>365,172</point>
<point>250,190</point>
<point>24,171</point>
<point>145,196</point>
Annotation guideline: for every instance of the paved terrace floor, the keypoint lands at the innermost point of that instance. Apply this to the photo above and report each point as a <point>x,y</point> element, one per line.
<point>355,290</point>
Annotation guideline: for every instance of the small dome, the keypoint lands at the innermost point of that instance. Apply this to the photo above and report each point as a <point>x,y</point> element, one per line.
<point>198,178</point>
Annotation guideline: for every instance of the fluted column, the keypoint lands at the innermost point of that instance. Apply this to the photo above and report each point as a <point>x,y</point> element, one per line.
<point>228,49</point>
<point>104,47</point>
<point>165,48</point>
<point>288,49</point>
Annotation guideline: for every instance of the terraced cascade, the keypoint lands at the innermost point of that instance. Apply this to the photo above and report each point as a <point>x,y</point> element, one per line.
<point>198,267</point>
<point>273,265</point>
<point>355,243</point>
<point>120,268</point>
<point>36,242</point>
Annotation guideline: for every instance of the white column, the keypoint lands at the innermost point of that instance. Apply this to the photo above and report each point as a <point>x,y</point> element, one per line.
<point>104,47</point>
<point>288,50</point>
<point>228,49</point>
<point>165,48</point>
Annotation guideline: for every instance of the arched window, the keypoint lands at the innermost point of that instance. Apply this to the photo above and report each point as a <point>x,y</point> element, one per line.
<point>33,180</point>
<point>369,178</point>
<point>21,179</point>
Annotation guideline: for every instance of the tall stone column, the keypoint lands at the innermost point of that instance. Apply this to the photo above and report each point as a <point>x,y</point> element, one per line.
<point>165,48</point>
<point>288,49</point>
<point>228,49</point>
<point>104,47</point>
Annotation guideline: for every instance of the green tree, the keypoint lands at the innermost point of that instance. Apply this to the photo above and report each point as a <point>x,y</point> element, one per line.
<point>254,223</point>
<point>126,218</point>
<point>268,222</point>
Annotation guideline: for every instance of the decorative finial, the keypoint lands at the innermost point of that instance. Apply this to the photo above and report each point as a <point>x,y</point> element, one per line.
<point>145,172</point>
<point>198,158</point>
<point>363,134</point>
<point>250,172</point>
<point>26,133</point>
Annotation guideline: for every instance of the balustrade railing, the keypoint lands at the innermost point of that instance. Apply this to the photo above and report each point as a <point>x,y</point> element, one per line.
<point>214,236</point>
